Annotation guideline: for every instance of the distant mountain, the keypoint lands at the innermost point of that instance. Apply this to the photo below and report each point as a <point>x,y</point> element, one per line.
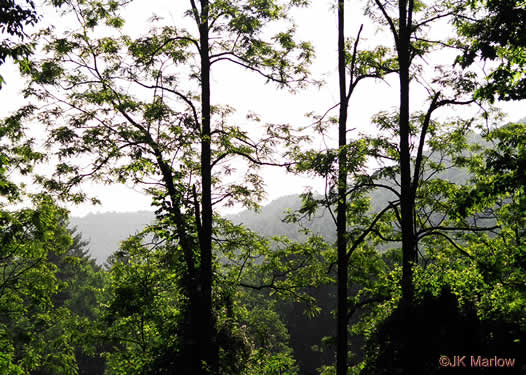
<point>269,220</point>
<point>105,231</point>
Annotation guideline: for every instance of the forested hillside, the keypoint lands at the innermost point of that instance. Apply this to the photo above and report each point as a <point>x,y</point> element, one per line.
<point>403,253</point>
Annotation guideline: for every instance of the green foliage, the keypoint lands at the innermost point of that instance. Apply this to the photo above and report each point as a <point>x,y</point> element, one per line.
<point>143,314</point>
<point>35,331</point>
<point>141,308</point>
<point>14,16</point>
<point>482,269</point>
<point>16,155</point>
<point>265,334</point>
<point>282,267</point>
<point>34,335</point>
<point>498,189</point>
<point>493,31</point>
<point>137,135</point>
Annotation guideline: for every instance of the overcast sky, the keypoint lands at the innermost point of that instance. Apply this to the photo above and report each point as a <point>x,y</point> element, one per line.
<point>248,92</point>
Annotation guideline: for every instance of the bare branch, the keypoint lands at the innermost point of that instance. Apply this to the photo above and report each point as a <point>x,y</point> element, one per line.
<point>195,12</point>
<point>467,228</point>
<point>390,22</point>
<point>245,64</point>
<point>353,65</point>
<point>455,245</point>
<point>377,185</point>
<point>250,158</point>
<point>421,143</point>
<point>410,15</point>
<point>366,232</point>
<point>429,20</point>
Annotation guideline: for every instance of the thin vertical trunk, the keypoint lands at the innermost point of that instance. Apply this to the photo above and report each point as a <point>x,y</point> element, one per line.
<point>208,342</point>
<point>341,219</point>
<point>407,200</point>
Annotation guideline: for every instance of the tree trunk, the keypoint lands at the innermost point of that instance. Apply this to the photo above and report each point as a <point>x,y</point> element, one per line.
<point>341,219</point>
<point>208,339</point>
<point>407,200</point>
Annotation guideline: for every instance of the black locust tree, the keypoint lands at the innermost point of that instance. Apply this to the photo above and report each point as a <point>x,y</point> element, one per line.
<point>355,70</point>
<point>408,21</point>
<point>140,110</point>
<point>338,165</point>
<point>402,169</point>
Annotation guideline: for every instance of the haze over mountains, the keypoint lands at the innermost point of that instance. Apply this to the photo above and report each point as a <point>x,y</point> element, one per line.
<point>105,231</point>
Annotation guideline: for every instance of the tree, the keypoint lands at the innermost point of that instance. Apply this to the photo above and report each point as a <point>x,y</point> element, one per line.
<point>171,142</point>
<point>361,65</point>
<point>408,29</point>
<point>341,219</point>
<point>80,280</point>
<point>417,195</point>
<point>354,65</point>
<point>463,265</point>
<point>144,309</point>
<point>32,340</point>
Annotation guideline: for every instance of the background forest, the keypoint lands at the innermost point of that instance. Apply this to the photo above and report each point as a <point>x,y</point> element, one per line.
<point>409,260</point>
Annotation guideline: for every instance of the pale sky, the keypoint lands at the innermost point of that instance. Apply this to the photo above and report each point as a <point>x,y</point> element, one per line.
<point>247,92</point>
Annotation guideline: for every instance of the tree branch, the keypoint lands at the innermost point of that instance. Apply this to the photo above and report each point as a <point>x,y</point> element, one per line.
<point>368,230</point>
<point>421,143</point>
<point>353,65</point>
<point>390,22</point>
<point>429,20</point>
<point>377,185</point>
<point>449,240</point>
<point>470,229</point>
<point>245,64</point>
<point>195,12</point>
<point>175,92</point>
<point>363,303</point>
<point>250,158</point>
